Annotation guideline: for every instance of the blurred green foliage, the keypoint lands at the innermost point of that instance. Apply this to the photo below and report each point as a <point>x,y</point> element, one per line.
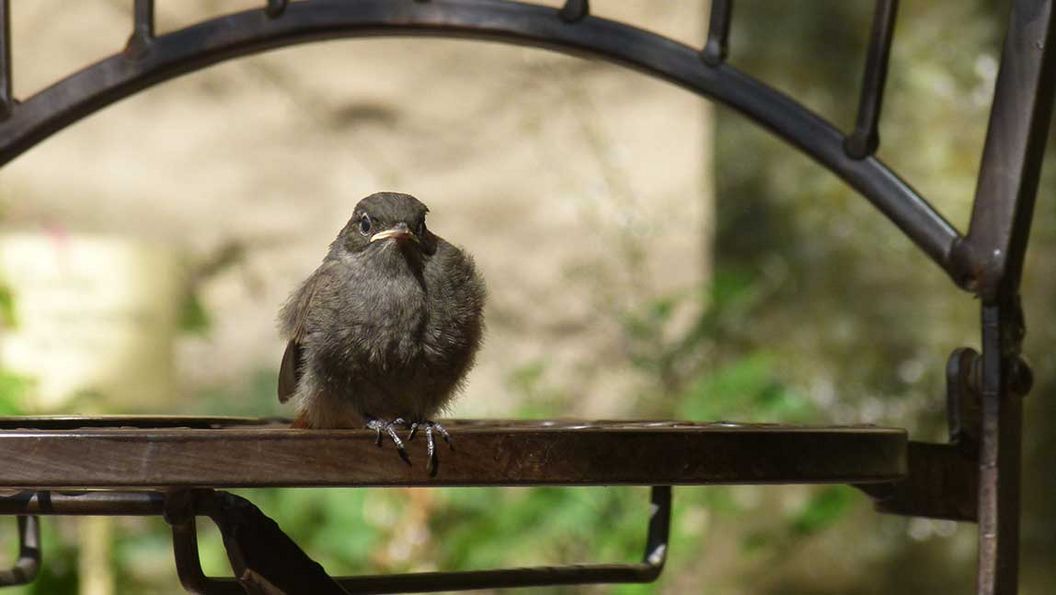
<point>12,388</point>
<point>194,318</point>
<point>8,316</point>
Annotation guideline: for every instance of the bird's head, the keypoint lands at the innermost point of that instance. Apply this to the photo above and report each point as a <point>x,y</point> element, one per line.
<point>384,218</point>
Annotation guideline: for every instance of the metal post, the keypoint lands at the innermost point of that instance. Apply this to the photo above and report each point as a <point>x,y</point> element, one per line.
<point>999,456</point>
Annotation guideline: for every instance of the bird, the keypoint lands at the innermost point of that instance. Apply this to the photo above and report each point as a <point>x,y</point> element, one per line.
<point>384,331</point>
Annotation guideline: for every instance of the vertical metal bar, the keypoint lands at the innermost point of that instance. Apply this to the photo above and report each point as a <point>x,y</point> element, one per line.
<point>717,46</point>
<point>659,529</point>
<point>144,18</point>
<point>864,140</point>
<point>6,101</point>
<point>999,455</point>
<point>142,28</point>
<point>991,256</point>
<point>990,261</point>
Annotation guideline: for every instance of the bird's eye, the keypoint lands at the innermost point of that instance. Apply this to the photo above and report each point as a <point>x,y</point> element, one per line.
<point>364,225</point>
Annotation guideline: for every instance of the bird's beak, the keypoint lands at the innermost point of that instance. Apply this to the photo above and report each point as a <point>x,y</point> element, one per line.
<point>398,231</point>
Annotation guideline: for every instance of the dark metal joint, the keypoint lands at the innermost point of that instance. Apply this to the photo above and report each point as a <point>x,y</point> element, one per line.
<point>574,10</point>
<point>179,507</point>
<point>275,8</point>
<point>142,38</point>
<point>1020,377</point>
<point>716,48</point>
<point>859,146</point>
<point>138,46</point>
<point>714,53</point>
<point>961,266</point>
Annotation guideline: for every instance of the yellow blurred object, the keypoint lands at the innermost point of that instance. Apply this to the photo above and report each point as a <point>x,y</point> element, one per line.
<point>91,317</point>
<point>95,537</point>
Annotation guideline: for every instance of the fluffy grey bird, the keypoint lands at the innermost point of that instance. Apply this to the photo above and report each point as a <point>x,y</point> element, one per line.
<point>383,332</point>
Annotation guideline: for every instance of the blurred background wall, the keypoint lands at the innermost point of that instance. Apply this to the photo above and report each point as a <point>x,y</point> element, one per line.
<point>646,256</point>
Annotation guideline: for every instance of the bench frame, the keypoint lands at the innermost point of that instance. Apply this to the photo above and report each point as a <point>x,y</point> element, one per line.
<point>976,476</point>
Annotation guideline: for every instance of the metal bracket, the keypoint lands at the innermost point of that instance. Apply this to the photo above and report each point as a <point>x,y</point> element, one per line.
<point>942,480</point>
<point>267,562</point>
<point>941,483</point>
<point>963,406</point>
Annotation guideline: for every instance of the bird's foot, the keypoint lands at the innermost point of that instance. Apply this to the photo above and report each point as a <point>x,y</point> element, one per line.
<point>389,428</point>
<point>430,442</point>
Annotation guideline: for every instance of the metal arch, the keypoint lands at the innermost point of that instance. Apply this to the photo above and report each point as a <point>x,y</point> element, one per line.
<point>149,60</point>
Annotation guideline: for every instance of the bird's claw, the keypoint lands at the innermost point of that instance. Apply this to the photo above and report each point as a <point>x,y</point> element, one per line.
<point>430,442</point>
<point>389,428</point>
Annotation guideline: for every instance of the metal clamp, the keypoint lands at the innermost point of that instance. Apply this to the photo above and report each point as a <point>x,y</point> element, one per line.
<point>942,479</point>
<point>267,562</point>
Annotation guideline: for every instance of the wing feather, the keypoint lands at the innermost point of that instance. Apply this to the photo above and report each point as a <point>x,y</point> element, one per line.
<point>292,319</point>
<point>289,371</point>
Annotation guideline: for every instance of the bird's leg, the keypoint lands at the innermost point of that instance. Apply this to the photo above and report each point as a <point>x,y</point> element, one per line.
<point>389,427</point>
<point>430,442</point>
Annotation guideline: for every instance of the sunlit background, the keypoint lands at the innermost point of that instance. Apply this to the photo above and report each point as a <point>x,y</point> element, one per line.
<point>647,255</point>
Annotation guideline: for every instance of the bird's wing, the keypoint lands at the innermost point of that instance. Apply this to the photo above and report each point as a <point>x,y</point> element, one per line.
<point>289,371</point>
<point>292,318</point>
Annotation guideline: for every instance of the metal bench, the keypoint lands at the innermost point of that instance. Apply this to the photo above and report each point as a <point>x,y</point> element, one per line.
<point>172,466</point>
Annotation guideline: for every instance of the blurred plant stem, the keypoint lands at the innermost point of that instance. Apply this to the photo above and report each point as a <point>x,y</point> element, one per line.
<point>95,539</point>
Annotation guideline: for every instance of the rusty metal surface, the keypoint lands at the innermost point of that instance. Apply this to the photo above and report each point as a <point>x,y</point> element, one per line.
<point>487,453</point>
<point>149,60</point>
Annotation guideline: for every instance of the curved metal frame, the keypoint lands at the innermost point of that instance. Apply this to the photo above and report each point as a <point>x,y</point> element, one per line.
<point>988,260</point>
<point>253,543</point>
<point>149,60</point>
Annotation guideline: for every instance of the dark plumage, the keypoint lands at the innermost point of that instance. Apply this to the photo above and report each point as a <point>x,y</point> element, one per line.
<point>384,331</point>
